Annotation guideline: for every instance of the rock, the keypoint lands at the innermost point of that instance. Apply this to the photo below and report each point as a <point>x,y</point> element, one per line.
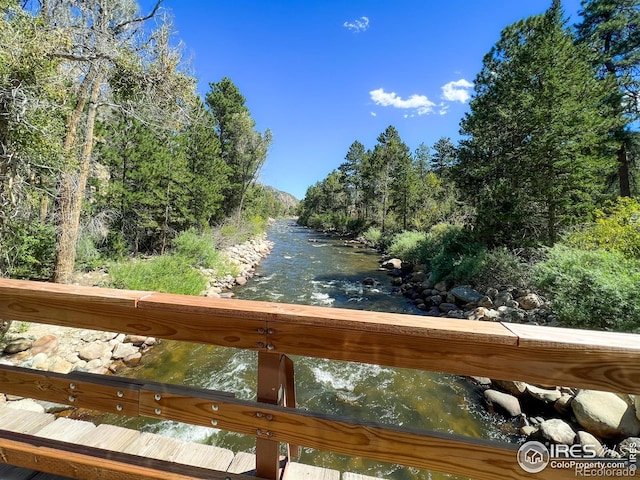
<point>528,430</point>
<point>510,314</point>
<point>132,360</point>
<point>392,264</point>
<point>436,299</point>
<point>137,340</point>
<point>92,351</point>
<point>514,388</point>
<point>26,404</point>
<point>530,301</point>
<point>543,394</point>
<point>557,431</point>
<point>563,404</point>
<point>503,401</point>
<point>150,341</point>
<point>476,314</point>
<point>484,381</point>
<point>40,361</point>
<point>46,344</point>
<point>441,286</point>
<point>492,293</point>
<point>123,350</point>
<point>369,281</point>
<point>241,280</point>
<point>60,365</point>
<point>448,307</point>
<point>502,298</point>
<point>434,312</point>
<point>629,445</point>
<point>18,345</point>
<point>466,294</point>
<point>637,404</point>
<point>585,439</point>
<point>485,302</point>
<point>605,414</point>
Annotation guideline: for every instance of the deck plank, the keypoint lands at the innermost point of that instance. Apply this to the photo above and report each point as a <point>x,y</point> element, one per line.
<point>151,445</point>
<point>65,429</point>
<point>357,476</point>
<point>300,471</point>
<point>205,456</point>
<point>109,437</point>
<point>23,421</point>
<point>243,462</point>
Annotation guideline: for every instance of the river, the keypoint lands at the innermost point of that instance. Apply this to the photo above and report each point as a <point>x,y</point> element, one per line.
<point>306,267</point>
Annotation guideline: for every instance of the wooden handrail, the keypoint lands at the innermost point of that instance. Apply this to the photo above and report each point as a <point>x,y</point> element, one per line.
<point>598,360</point>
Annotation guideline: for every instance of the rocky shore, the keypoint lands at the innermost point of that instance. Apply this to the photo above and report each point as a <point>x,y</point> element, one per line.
<point>604,422</point>
<point>62,350</point>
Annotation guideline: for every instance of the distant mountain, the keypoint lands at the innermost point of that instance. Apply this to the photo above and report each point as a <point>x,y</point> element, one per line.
<point>289,201</point>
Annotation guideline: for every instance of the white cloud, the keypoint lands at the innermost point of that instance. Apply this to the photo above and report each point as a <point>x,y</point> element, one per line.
<point>420,104</point>
<point>443,109</point>
<point>374,114</point>
<point>457,91</point>
<point>359,25</point>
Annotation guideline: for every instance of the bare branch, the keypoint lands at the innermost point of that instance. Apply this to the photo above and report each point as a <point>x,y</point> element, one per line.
<point>118,28</point>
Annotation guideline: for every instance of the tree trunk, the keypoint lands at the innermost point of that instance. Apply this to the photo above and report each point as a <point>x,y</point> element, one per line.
<point>623,171</point>
<point>72,188</point>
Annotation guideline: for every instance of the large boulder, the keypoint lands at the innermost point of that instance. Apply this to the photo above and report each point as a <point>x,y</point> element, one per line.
<point>637,404</point>
<point>466,294</point>
<point>46,344</point>
<point>393,264</point>
<point>503,402</point>
<point>605,414</point>
<point>557,431</point>
<point>18,345</point>
<point>544,394</point>
<point>513,387</point>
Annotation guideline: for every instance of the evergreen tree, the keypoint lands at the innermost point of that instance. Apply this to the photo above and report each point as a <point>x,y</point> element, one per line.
<point>610,29</point>
<point>532,158</point>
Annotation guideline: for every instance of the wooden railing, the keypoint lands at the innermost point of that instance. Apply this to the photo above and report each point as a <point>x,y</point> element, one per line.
<point>586,359</point>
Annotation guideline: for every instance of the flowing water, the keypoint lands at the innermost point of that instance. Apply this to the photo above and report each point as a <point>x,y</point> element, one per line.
<point>308,268</point>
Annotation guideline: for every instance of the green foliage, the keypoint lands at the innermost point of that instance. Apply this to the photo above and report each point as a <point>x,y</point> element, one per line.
<point>373,235</point>
<point>407,246</point>
<point>165,273</point>
<point>501,267</point>
<point>198,249</point>
<point>616,228</point>
<point>534,160</point>
<point>29,251</point>
<point>592,289</point>
<point>87,254</point>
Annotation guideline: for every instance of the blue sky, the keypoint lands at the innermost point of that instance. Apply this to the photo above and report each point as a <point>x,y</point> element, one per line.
<point>322,74</point>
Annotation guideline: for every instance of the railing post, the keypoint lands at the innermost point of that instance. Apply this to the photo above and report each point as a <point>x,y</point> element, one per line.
<point>269,391</point>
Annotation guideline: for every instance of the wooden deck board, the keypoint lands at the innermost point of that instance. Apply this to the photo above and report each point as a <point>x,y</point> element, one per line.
<point>205,456</point>
<point>23,421</point>
<point>65,429</point>
<point>300,471</point>
<point>109,437</point>
<point>151,445</point>
<point>357,476</point>
<point>243,462</point>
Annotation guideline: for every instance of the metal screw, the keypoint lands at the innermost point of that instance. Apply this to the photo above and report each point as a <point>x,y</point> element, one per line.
<point>261,331</point>
<point>72,398</point>
<point>271,331</point>
<point>120,394</point>
<point>119,407</point>
<point>259,414</point>
<point>214,422</point>
<point>158,411</point>
<point>72,386</point>
<point>269,417</point>
<point>260,344</point>
<point>157,396</point>
<point>214,407</point>
<point>271,346</point>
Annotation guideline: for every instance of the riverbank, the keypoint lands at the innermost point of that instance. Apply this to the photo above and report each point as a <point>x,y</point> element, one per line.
<point>601,422</point>
<point>60,349</point>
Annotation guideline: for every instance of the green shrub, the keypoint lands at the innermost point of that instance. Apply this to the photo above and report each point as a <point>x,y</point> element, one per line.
<point>197,248</point>
<point>407,246</point>
<point>373,235</point>
<point>453,253</point>
<point>167,273</point>
<point>29,250</point>
<point>616,228</point>
<point>87,255</point>
<point>500,267</point>
<point>592,289</point>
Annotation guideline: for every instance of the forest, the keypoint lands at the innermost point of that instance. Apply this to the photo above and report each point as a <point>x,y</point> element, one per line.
<point>542,187</point>
<point>107,149</point>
